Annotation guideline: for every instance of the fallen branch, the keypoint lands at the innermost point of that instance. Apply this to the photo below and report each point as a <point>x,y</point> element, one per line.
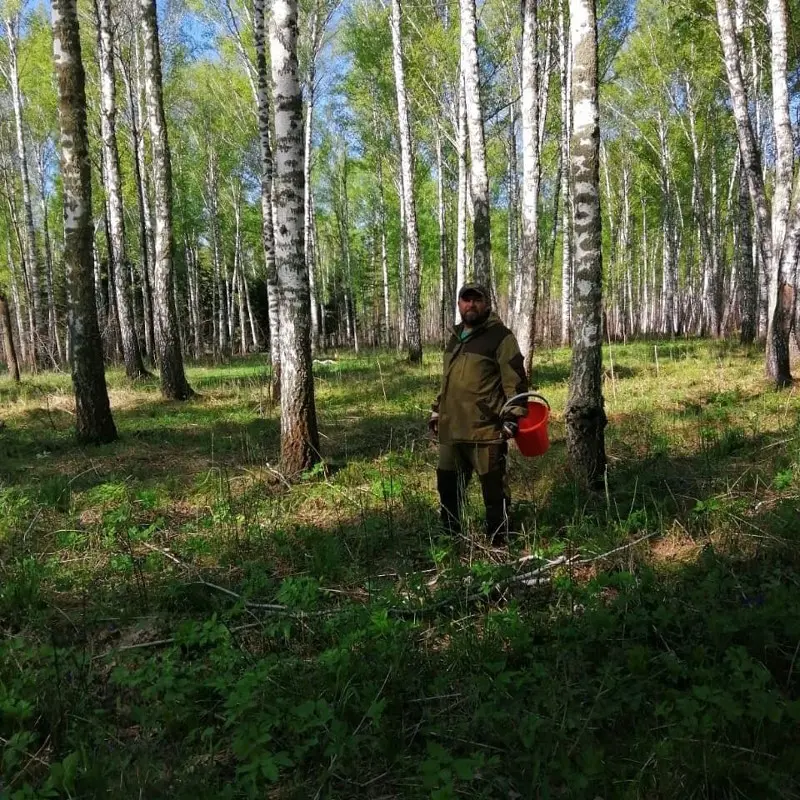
<point>619,549</point>
<point>162,642</point>
<point>273,608</point>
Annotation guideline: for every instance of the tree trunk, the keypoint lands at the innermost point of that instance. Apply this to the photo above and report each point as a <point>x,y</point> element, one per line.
<point>220,271</point>
<point>92,410</point>
<point>134,366</point>
<point>748,278</point>
<point>481,226</point>
<point>149,265</point>
<point>444,300</point>
<point>15,300</point>
<point>670,322</point>
<point>584,415</point>
<point>386,337</point>
<point>238,268</point>
<point>56,352</point>
<point>512,210</point>
<point>463,190</point>
<point>250,316</point>
<point>8,340</point>
<point>314,36</point>
<point>784,230</point>
<point>525,301</point>
<point>174,385</point>
<point>777,356</point>
<point>343,215</point>
<point>401,267</point>
<point>567,277</point>
<point>113,333</point>
<point>193,281</point>
<point>267,226</point>
<point>412,294</point>
<point>142,292</point>
<point>32,266</point>
<point>299,435</point>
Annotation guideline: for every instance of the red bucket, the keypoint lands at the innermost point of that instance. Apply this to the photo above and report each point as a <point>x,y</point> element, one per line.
<point>531,438</point>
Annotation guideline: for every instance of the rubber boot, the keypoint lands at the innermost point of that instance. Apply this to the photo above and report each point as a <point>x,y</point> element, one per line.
<point>497,504</point>
<point>450,485</point>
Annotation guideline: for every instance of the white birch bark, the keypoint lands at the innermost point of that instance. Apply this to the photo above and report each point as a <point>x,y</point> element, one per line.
<point>174,385</point>
<point>479,177</point>
<point>386,327</point>
<point>777,355</point>
<point>53,334</point>
<point>32,265</point>
<point>512,208</point>
<point>267,216</point>
<point>785,220</point>
<point>584,415</point>
<point>444,300</point>
<point>401,266</point>
<point>238,269</point>
<point>567,276</point>
<point>299,435</point>
<point>250,316</point>
<point>413,333</point>
<point>141,291</point>
<point>143,192</point>
<point>132,356</point>
<point>315,35</point>
<point>525,301</point>
<point>463,190</point>
<point>93,419</point>
<point>222,319</point>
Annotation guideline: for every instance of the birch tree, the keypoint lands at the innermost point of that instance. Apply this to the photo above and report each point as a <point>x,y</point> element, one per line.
<point>479,177</point>
<point>146,245</point>
<point>778,228</point>
<point>132,355</point>
<point>567,265</point>
<point>463,190</point>
<point>267,226</point>
<point>299,435</point>
<point>174,385</point>
<point>584,414</point>
<point>525,301</point>
<point>413,333</point>
<point>31,264</point>
<point>93,420</point>
<point>8,339</point>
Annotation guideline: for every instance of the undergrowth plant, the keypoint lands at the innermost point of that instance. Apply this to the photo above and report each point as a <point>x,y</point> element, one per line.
<point>180,620</point>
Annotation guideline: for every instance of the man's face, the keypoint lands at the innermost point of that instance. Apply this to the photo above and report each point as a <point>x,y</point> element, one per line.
<point>473,308</point>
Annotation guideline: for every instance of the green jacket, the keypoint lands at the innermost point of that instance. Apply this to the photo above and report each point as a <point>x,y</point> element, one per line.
<point>480,374</point>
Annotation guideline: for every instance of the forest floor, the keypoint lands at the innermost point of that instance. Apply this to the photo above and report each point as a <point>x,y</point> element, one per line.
<point>179,621</point>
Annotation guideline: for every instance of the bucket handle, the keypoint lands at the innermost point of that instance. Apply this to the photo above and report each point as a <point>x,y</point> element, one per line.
<point>520,396</point>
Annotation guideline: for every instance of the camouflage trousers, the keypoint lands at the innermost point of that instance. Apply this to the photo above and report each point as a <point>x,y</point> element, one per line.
<point>457,463</point>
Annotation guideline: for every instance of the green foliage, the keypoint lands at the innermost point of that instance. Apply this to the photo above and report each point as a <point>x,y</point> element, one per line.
<point>178,621</point>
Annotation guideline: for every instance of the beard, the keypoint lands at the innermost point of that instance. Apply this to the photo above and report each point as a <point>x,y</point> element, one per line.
<point>475,318</point>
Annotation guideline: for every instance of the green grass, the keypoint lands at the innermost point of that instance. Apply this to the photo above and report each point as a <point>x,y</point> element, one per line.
<point>138,658</point>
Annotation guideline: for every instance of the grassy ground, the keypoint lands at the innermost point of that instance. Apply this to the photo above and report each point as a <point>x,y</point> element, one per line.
<point>180,622</point>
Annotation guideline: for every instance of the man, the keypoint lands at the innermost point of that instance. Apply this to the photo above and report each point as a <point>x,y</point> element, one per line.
<point>483,368</point>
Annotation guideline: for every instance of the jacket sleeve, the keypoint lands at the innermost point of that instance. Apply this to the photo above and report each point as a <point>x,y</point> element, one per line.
<point>512,376</point>
<point>445,360</point>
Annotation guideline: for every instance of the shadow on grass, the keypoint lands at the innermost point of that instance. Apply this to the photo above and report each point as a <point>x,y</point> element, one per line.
<point>617,680</point>
<point>725,486</point>
<point>155,439</point>
<point>568,690</point>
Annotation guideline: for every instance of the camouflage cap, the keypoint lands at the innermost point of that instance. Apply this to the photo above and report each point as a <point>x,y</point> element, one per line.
<point>475,288</point>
